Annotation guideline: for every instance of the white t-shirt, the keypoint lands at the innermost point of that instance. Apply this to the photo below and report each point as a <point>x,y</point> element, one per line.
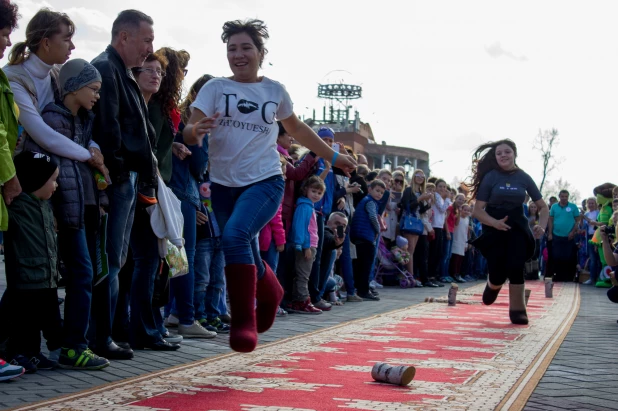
<point>593,216</point>
<point>243,147</point>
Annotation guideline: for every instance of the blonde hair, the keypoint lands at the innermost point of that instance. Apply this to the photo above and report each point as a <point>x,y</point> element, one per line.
<point>384,171</point>
<point>418,188</point>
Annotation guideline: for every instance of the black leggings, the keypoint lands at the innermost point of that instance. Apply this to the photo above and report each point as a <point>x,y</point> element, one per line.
<point>507,259</point>
<point>363,264</point>
<point>421,254</point>
<point>435,254</point>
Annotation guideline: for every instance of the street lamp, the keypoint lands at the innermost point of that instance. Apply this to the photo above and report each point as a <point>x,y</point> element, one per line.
<point>387,164</point>
<point>407,165</point>
<point>435,162</point>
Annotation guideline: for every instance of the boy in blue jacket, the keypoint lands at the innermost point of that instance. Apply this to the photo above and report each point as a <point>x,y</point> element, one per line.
<point>305,236</point>
<point>364,232</point>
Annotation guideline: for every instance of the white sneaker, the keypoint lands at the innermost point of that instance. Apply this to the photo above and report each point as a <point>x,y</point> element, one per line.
<point>171,321</point>
<point>375,284</point>
<point>195,330</point>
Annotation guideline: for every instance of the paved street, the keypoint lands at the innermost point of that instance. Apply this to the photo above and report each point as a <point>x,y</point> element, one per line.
<point>583,375</point>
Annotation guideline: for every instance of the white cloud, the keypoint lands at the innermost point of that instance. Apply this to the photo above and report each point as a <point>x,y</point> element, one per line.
<point>496,51</point>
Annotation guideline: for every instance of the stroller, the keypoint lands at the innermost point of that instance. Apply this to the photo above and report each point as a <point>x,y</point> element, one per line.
<point>391,270</point>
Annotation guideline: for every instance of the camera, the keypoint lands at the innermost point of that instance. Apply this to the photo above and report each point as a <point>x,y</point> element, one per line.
<point>610,230</point>
<point>340,232</point>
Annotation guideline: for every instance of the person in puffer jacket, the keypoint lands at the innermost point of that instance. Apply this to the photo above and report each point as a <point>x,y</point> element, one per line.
<point>364,231</point>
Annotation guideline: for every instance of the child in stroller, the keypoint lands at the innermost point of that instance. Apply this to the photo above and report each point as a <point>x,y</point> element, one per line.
<point>392,264</point>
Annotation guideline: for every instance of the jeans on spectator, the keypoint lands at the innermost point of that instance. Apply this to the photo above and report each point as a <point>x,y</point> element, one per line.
<point>316,269</point>
<point>374,264</point>
<point>594,262</point>
<point>73,247</point>
<point>365,252</point>
<point>209,278</point>
<point>181,288</point>
<point>122,199</point>
<point>271,256</point>
<point>144,245</point>
<point>347,271</point>
<point>326,266</point>
<point>447,248</point>
<point>241,213</point>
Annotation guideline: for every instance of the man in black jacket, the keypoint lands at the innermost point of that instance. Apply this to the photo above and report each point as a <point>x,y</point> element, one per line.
<point>125,135</point>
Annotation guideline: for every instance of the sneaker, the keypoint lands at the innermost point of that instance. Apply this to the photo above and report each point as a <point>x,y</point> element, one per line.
<point>369,297</point>
<point>469,278</point>
<point>172,339</point>
<point>375,284</point>
<point>225,318</point>
<point>431,284</point>
<point>353,298</point>
<point>417,283</point>
<point>21,361</point>
<point>10,371</point>
<point>71,359</point>
<point>458,279</point>
<point>195,330</point>
<point>323,305</point>
<point>217,326</point>
<point>43,363</point>
<point>373,291</point>
<point>589,282</point>
<point>171,321</point>
<point>281,312</point>
<point>304,307</point>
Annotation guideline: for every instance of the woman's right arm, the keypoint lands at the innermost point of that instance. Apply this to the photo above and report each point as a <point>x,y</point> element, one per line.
<point>41,133</point>
<point>481,215</point>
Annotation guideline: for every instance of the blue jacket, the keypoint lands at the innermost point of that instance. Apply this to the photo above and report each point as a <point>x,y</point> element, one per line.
<point>300,223</point>
<point>361,229</point>
<point>325,205</point>
<point>188,172</point>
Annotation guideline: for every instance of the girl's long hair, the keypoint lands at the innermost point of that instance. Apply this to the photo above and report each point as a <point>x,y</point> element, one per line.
<point>170,92</point>
<point>418,188</point>
<point>484,161</point>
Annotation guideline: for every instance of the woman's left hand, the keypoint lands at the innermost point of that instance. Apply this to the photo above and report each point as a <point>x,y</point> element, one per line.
<point>180,150</point>
<point>538,231</point>
<point>341,203</point>
<point>345,163</point>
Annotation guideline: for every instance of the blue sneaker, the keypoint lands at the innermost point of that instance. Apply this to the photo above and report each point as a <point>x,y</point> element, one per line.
<point>21,361</point>
<point>10,371</point>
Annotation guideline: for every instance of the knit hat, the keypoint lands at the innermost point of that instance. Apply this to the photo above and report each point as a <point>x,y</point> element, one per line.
<point>401,242</point>
<point>33,170</point>
<point>326,132</point>
<point>75,74</point>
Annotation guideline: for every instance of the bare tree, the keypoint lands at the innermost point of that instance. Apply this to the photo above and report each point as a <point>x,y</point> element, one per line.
<point>545,143</point>
<point>553,189</point>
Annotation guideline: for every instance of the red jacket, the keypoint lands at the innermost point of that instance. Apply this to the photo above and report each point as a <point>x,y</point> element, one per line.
<point>292,175</point>
<point>273,230</point>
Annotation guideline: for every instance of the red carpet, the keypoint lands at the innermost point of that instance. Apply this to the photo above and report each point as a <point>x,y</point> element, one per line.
<point>467,357</point>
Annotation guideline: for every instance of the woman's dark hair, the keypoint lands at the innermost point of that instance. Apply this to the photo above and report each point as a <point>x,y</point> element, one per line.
<point>43,25</point>
<point>254,28</point>
<point>170,92</point>
<point>438,181</point>
<point>372,175</point>
<point>484,161</point>
<point>312,182</point>
<point>432,180</point>
<point>185,106</point>
<point>8,15</point>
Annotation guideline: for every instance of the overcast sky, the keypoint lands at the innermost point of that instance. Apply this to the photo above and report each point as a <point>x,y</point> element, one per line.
<point>440,76</point>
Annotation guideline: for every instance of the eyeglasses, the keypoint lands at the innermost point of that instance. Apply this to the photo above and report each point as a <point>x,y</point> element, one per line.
<point>159,73</point>
<point>399,181</point>
<point>95,91</point>
<point>419,175</point>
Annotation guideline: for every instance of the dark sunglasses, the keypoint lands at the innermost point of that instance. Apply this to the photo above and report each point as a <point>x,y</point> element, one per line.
<point>399,181</point>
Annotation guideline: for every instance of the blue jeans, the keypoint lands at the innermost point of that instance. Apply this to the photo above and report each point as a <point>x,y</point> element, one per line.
<point>122,199</point>
<point>594,262</point>
<point>241,213</point>
<point>73,248</point>
<point>209,278</point>
<point>372,273</point>
<point>447,249</point>
<point>222,307</point>
<point>271,256</point>
<point>181,288</point>
<point>347,272</point>
<point>144,246</point>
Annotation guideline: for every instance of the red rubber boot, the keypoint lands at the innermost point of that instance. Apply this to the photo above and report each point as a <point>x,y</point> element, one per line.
<point>241,285</point>
<point>269,295</point>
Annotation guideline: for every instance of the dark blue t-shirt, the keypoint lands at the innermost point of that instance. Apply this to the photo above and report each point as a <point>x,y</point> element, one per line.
<point>507,190</point>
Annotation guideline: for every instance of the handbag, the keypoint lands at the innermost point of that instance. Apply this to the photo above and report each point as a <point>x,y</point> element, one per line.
<point>410,224</point>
